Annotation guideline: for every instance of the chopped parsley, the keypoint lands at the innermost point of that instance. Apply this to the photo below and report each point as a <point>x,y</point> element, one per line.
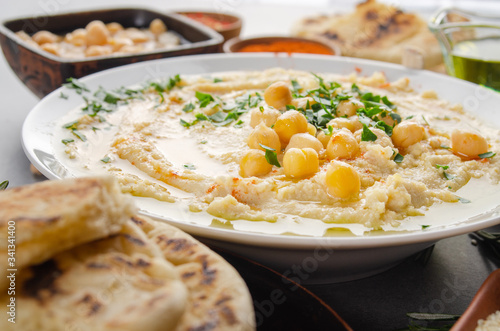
<point>463,200</point>
<point>439,166</point>
<point>75,84</point>
<point>398,158</point>
<point>271,156</point>
<point>487,155</point>
<point>4,184</point>
<point>67,141</point>
<point>189,166</point>
<point>106,159</point>
<point>188,108</point>
<point>367,134</point>
<point>204,98</point>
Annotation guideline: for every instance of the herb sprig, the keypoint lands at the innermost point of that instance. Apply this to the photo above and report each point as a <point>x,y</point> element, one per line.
<point>226,114</point>
<point>4,184</point>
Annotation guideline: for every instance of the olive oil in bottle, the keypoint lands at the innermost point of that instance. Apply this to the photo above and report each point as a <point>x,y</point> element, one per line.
<point>478,61</point>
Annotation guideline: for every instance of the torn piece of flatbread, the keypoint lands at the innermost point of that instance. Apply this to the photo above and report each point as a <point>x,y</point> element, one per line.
<point>122,282</point>
<point>45,218</point>
<point>374,31</point>
<point>218,297</point>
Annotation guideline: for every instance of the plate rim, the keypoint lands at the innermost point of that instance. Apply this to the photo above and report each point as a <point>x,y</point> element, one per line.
<point>272,240</point>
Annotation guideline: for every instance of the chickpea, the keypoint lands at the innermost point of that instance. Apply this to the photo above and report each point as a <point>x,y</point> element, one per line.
<point>407,134</point>
<point>264,135</point>
<point>323,138</point>
<point>387,119</point>
<point>136,35</point>
<point>348,107</point>
<point>97,50</point>
<point>97,33</point>
<point>157,26</point>
<point>302,102</point>
<point>311,129</point>
<point>131,49</point>
<point>254,163</point>
<point>341,122</point>
<point>118,43</point>
<point>342,180</point>
<point>342,145</point>
<point>267,115</point>
<point>288,124</point>
<point>468,143</point>
<point>114,27</point>
<point>278,95</point>
<point>303,140</point>
<point>52,48</point>
<point>300,162</point>
<point>45,37</point>
<point>77,37</point>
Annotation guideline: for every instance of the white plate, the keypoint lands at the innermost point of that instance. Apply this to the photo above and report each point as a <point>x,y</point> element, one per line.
<point>304,259</point>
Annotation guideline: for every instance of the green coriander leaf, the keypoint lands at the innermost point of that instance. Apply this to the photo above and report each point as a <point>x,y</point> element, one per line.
<point>487,155</point>
<point>463,200</point>
<point>201,117</point>
<point>106,159</point>
<point>367,134</point>
<point>217,80</point>
<point>448,176</point>
<point>189,166</point>
<point>398,158</point>
<point>188,108</point>
<point>425,226</point>
<point>71,125</point>
<point>4,184</point>
<point>67,141</point>
<point>79,135</point>
<point>204,98</point>
<point>296,86</point>
<point>439,166</point>
<point>425,120</point>
<point>271,156</point>
<point>75,84</point>
<point>185,124</point>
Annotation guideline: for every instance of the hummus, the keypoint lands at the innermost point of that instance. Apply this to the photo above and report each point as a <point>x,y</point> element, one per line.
<point>182,141</point>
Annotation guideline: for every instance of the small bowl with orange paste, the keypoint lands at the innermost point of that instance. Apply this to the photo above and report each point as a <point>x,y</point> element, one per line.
<point>279,44</point>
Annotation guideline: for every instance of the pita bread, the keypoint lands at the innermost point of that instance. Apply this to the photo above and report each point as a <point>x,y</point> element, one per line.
<point>374,31</point>
<point>118,283</point>
<point>53,216</point>
<point>218,297</point>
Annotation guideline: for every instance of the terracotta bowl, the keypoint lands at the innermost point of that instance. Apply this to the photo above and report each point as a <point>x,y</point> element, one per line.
<point>43,72</point>
<point>485,302</point>
<point>228,25</point>
<point>280,44</point>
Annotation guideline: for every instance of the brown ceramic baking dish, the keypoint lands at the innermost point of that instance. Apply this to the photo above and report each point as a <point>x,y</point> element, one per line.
<point>43,72</point>
<point>485,302</point>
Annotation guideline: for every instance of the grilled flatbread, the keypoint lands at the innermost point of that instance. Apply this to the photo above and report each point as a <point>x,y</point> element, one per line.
<point>218,297</point>
<point>52,216</point>
<point>374,31</point>
<point>120,283</point>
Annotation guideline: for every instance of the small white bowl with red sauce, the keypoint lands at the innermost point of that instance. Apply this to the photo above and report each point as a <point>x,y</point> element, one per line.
<point>228,25</point>
<point>280,44</point>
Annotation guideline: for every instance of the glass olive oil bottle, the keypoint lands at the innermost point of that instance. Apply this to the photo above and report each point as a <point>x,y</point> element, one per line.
<point>478,61</point>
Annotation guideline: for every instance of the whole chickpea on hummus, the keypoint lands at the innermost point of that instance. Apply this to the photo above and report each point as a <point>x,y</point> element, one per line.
<point>284,147</point>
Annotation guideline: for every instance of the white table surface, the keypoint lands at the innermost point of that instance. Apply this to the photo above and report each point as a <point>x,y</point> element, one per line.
<point>446,284</point>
